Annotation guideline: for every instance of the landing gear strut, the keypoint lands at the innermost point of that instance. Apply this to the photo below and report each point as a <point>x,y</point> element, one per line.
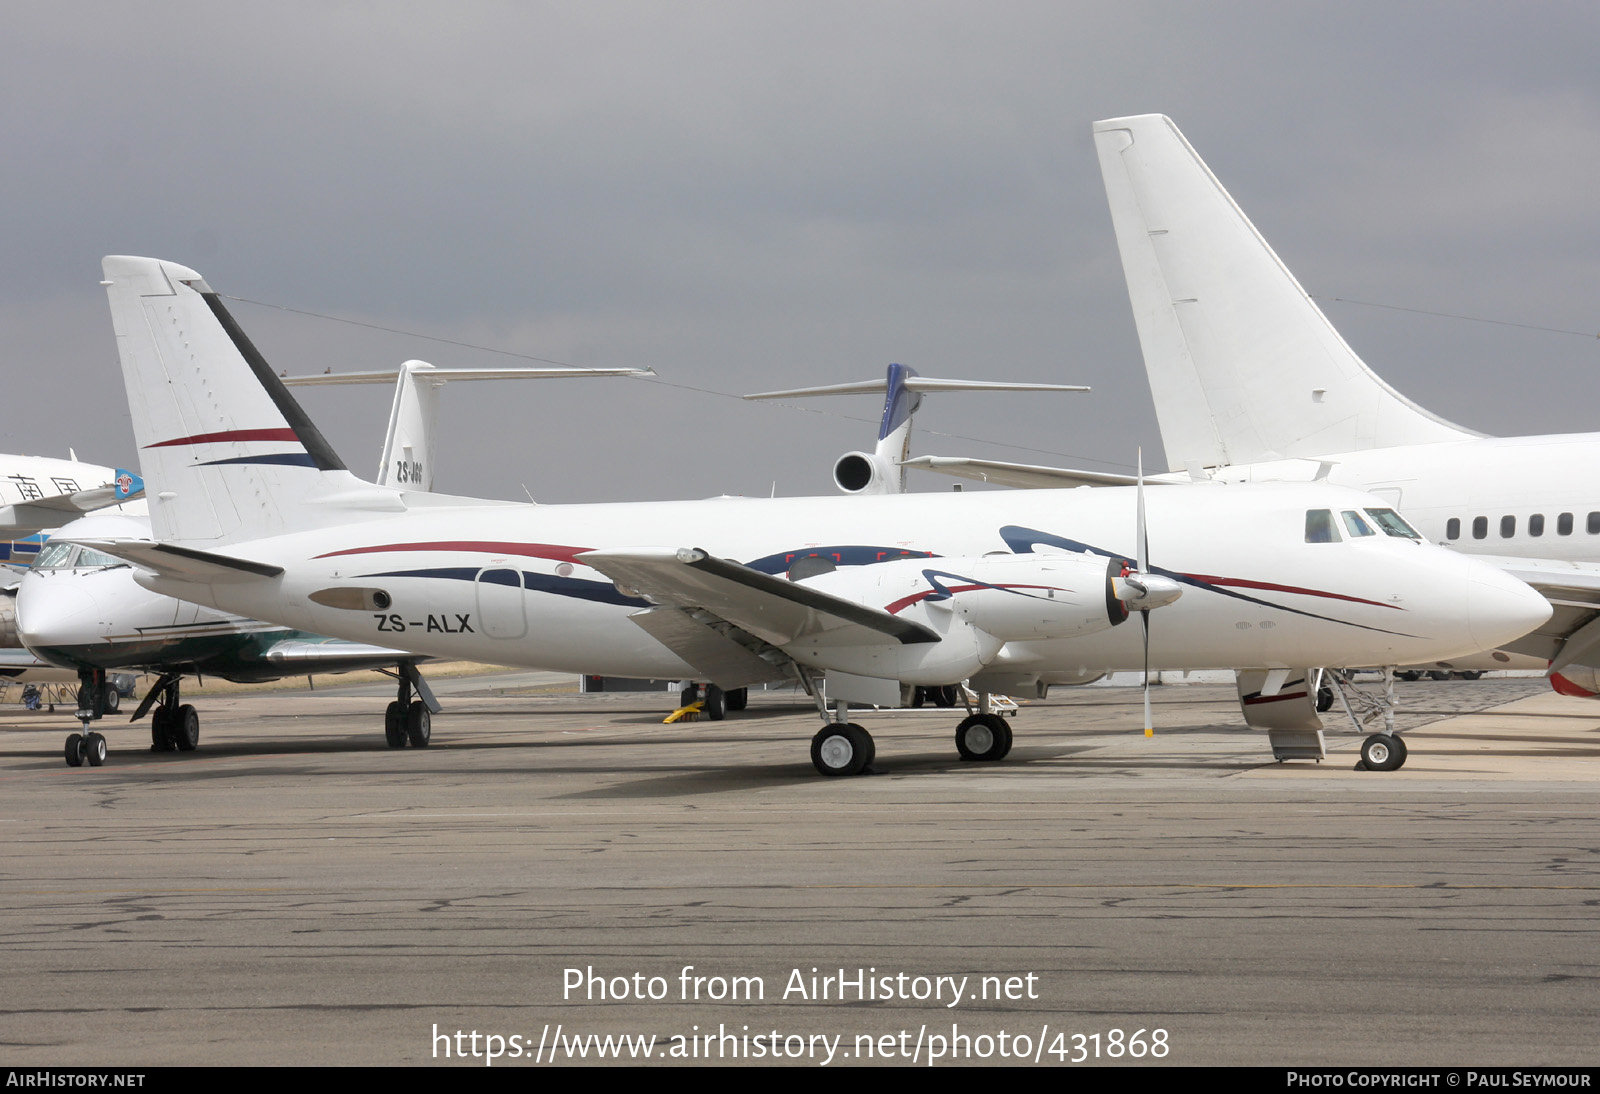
<point>87,746</point>
<point>1385,751</point>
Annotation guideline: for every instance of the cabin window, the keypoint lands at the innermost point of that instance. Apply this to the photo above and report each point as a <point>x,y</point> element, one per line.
<point>1594,524</point>
<point>1564,524</point>
<point>1319,526</point>
<point>1355,525</point>
<point>1452,528</point>
<point>1393,524</point>
<point>1536,524</point>
<point>1508,527</point>
<point>1480,527</point>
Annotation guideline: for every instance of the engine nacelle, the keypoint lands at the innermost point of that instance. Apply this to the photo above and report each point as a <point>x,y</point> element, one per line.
<point>864,473</point>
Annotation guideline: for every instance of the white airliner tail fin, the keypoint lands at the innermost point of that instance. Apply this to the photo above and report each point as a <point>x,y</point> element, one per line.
<point>1243,365</point>
<point>227,453</point>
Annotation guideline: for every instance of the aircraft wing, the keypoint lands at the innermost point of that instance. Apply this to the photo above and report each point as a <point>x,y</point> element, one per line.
<point>304,654</point>
<point>773,609</point>
<point>17,663</point>
<point>182,563</point>
<point>1572,633</point>
<point>1023,475</point>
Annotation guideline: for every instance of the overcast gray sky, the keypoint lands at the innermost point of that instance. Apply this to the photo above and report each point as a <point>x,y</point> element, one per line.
<point>757,195</point>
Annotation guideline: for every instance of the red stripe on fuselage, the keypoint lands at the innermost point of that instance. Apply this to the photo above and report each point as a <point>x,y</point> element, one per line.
<point>232,435</point>
<point>489,547</point>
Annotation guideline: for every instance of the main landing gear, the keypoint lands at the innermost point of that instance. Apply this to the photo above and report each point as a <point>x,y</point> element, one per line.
<point>844,748</point>
<point>174,725</point>
<point>408,720</point>
<point>715,703</point>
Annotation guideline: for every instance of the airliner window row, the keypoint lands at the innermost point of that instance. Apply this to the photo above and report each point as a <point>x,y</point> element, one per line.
<point>1508,526</point>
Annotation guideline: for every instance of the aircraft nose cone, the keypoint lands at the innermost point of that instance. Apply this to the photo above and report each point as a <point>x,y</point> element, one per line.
<point>54,615</point>
<point>1500,608</point>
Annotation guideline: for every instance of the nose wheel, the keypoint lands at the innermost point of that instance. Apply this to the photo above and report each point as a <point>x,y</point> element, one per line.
<point>1383,752</point>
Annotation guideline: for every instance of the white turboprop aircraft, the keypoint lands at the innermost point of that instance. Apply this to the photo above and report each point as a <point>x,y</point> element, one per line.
<point>82,610</point>
<point>1252,383</point>
<point>254,513</point>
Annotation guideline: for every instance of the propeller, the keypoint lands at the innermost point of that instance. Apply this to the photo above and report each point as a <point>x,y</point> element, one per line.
<point>1142,535</point>
<point>1141,590</point>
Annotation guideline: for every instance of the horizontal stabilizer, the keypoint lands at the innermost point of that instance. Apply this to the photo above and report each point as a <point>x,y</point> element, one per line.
<point>183,563</point>
<point>773,609</point>
<point>913,383</point>
<point>442,375</point>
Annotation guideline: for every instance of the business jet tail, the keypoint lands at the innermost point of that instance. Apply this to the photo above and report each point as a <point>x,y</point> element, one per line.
<point>226,452</point>
<point>1244,367</point>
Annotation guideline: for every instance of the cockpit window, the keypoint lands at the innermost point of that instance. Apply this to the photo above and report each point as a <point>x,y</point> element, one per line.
<point>55,556</point>
<point>1355,525</point>
<point>88,559</point>
<point>1320,527</point>
<point>1393,524</point>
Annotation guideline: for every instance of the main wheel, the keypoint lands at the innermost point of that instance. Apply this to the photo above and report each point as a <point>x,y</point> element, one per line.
<point>983,737</point>
<point>74,750</point>
<point>842,749</point>
<point>419,724</point>
<point>1325,698</point>
<point>715,707</point>
<point>94,749</point>
<point>946,696</point>
<point>161,739</point>
<point>690,694</point>
<point>394,725</point>
<point>186,728</point>
<point>1435,674</point>
<point>113,700</point>
<point>919,695</point>
<point>1383,752</point>
<point>738,698</point>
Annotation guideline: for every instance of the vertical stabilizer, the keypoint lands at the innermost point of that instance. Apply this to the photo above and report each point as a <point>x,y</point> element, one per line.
<point>408,447</point>
<point>226,452</point>
<point>1244,367</point>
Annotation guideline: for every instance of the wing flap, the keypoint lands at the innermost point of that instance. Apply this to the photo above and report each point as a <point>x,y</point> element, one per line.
<point>721,658</point>
<point>183,563</point>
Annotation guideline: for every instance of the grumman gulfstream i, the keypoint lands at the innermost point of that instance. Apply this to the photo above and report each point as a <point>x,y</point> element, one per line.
<point>854,597</point>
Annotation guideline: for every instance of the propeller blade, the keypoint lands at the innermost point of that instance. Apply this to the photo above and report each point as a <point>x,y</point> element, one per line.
<point>1149,726</point>
<point>1142,538</point>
